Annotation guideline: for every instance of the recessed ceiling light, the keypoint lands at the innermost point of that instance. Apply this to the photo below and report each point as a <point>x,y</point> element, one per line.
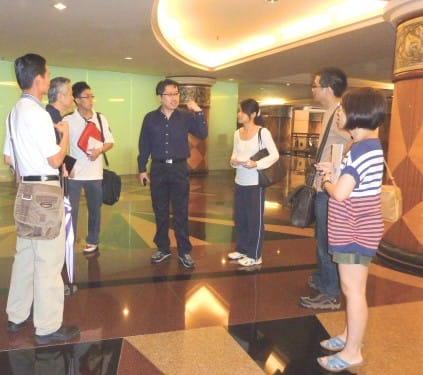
<point>128,58</point>
<point>270,1</point>
<point>60,6</point>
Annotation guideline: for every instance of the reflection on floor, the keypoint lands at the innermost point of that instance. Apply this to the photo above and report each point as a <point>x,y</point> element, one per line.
<point>136,318</point>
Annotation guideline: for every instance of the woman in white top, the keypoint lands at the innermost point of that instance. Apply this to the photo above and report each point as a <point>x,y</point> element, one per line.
<point>249,195</point>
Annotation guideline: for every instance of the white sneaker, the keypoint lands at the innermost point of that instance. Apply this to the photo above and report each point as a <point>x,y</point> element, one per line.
<point>90,248</point>
<point>248,262</point>
<point>236,255</point>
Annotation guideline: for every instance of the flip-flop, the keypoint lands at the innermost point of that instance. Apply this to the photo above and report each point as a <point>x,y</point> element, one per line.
<point>333,344</point>
<point>335,363</point>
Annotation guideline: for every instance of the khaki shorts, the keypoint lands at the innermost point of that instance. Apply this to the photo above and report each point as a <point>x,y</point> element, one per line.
<point>350,258</point>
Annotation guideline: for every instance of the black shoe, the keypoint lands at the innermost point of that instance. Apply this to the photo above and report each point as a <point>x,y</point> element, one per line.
<point>15,327</point>
<point>187,261</point>
<point>160,256</point>
<point>64,333</point>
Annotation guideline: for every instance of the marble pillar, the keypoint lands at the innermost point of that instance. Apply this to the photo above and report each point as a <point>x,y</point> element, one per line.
<point>403,240</point>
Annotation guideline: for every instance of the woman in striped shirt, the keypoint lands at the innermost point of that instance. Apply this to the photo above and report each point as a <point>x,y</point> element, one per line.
<point>355,223</point>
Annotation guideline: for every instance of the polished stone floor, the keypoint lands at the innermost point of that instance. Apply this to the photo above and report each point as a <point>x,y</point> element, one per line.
<point>136,318</point>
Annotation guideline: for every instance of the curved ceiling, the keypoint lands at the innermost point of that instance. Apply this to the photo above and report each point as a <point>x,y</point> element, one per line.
<point>217,37</point>
<point>99,35</point>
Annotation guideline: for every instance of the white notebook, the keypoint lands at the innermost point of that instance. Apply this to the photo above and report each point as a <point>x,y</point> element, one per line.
<point>337,156</point>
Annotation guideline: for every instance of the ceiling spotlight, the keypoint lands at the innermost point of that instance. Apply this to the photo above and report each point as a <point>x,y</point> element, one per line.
<point>128,58</point>
<point>288,84</point>
<point>60,6</point>
<point>270,1</point>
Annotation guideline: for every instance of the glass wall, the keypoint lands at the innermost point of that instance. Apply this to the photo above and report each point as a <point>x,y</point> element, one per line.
<point>124,99</point>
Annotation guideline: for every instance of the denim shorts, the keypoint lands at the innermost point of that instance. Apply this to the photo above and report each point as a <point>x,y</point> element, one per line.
<point>351,258</point>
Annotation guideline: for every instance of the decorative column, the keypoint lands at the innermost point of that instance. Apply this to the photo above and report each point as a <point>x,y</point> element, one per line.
<point>403,240</point>
<point>197,89</point>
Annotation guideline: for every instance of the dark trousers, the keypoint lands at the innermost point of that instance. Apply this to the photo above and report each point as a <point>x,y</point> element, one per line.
<point>248,216</point>
<point>170,185</point>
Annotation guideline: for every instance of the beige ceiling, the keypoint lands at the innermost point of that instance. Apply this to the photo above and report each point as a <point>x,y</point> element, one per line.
<point>98,34</point>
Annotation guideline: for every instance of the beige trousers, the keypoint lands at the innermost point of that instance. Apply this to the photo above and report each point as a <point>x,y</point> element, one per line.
<point>36,281</point>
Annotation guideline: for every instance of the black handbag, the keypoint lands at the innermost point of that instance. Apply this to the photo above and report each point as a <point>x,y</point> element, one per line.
<point>302,198</point>
<point>272,174</point>
<point>112,183</point>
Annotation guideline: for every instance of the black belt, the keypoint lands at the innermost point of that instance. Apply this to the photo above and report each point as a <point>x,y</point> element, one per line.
<point>169,161</point>
<point>51,177</point>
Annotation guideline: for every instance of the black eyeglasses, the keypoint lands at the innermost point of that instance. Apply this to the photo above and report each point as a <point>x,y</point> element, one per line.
<point>171,94</point>
<point>86,97</point>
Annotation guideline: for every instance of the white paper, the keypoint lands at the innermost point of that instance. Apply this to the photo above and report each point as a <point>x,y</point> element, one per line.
<point>93,144</point>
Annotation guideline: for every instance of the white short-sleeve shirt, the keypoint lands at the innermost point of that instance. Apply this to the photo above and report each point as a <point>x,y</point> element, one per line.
<point>33,136</point>
<point>84,168</point>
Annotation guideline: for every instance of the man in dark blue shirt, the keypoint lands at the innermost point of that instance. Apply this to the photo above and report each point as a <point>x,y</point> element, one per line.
<point>164,137</point>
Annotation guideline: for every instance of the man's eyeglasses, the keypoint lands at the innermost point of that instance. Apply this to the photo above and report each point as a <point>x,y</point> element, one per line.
<point>86,97</point>
<point>171,94</point>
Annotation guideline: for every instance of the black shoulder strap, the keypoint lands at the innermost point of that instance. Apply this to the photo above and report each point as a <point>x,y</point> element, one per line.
<point>325,136</point>
<point>311,176</point>
<point>102,138</point>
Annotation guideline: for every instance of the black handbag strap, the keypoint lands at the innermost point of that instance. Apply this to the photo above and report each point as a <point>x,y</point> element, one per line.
<point>311,176</point>
<point>102,138</point>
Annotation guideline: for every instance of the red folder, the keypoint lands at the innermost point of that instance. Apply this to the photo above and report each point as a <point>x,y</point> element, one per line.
<point>90,138</point>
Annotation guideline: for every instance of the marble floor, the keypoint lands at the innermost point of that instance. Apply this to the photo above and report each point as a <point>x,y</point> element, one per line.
<point>136,318</point>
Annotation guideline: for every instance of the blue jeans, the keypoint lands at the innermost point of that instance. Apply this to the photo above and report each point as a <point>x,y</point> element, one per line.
<point>94,195</point>
<point>326,276</point>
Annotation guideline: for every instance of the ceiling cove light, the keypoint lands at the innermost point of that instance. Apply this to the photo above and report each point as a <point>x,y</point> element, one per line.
<point>60,6</point>
<point>194,45</point>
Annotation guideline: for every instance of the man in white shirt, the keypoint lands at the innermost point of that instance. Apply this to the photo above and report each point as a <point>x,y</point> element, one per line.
<point>36,273</point>
<point>88,169</point>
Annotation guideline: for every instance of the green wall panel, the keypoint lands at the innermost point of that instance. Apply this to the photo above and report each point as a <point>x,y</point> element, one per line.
<point>124,99</point>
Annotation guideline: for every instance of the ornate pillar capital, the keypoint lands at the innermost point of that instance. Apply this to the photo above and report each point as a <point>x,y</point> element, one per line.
<point>397,11</point>
<point>194,88</point>
<point>407,17</point>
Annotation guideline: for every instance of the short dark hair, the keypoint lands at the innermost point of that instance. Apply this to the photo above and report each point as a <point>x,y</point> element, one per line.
<point>78,87</point>
<point>56,86</point>
<point>249,106</point>
<point>334,78</point>
<point>161,86</point>
<point>28,67</point>
<point>364,107</point>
